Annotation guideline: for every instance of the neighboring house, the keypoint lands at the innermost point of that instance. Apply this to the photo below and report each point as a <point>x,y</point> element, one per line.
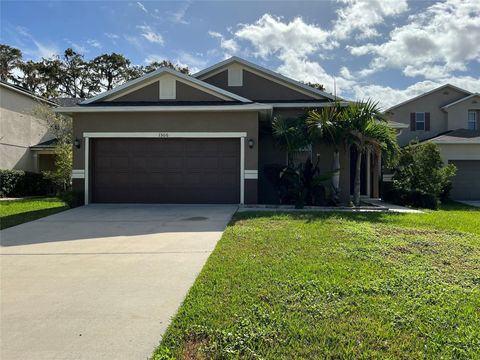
<point>449,117</point>
<point>167,137</point>
<point>25,142</point>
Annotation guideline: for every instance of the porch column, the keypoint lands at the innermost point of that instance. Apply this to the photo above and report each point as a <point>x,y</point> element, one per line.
<point>36,164</point>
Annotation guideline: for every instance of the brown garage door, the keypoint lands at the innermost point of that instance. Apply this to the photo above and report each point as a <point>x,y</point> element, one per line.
<point>466,183</point>
<point>171,171</point>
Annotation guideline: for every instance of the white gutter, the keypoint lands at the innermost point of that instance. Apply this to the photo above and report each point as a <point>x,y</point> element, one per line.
<point>306,105</point>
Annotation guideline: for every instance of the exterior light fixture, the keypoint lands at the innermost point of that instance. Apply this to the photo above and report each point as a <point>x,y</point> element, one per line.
<point>77,143</point>
<point>251,142</point>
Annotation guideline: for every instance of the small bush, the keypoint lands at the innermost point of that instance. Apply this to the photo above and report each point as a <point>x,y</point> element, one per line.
<point>19,183</point>
<point>72,199</point>
<point>412,198</point>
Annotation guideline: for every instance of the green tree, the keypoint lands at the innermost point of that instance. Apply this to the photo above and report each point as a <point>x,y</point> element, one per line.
<point>420,168</point>
<point>111,70</point>
<point>327,126</point>
<point>10,58</point>
<point>291,135</point>
<point>30,77</point>
<point>60,126</point>
<point>368,130</point>
<point>165,63</point>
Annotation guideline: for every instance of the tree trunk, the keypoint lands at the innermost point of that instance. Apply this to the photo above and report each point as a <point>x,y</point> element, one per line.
<point>356,187</point>
<point>336,173</point>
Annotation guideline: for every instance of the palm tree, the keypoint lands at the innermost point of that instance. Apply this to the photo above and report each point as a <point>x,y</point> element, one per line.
<point>291,135</point>
<point>328,127</point>
<point>368,130</point>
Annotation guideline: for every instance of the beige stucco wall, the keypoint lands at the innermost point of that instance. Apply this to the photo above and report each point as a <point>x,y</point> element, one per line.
<point>459,152</point>
<point>458,113</point>
<point>19,129</point>
<point>431,103</point>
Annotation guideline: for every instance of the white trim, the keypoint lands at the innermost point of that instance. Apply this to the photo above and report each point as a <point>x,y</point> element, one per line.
<point>251,174</point>
<point>240,135</point>
<point>165,108</point>
<point>306,105</point>
<point>242,170</point>
<point>461,100</point>
<point>165,134</point>
<point>26,93</point>
<point>87,190</point>
<point>78,174</point>
<point>427,93</point>
<point>263,72</point>
<point>158,72</point>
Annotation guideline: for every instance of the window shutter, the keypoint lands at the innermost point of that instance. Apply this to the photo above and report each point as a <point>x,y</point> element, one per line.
<point>427,121</point>
<point>412,122</point>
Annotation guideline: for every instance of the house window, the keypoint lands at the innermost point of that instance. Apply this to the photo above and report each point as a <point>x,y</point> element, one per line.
<point>420,121</point>
<point>472,120</point>
<point>302,155</point>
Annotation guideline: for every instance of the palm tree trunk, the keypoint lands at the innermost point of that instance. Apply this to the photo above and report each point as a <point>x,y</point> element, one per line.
<point>336,172</point>
<point>356,187</point>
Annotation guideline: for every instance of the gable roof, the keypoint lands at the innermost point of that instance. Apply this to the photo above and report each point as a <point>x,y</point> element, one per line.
<point>266,72</point>
<point>428,93</point>
<point>157,73</point>
<point>461,100</point>
<point>26,92</point>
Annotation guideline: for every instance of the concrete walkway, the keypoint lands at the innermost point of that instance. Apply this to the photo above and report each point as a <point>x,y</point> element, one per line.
<point>102,281</point>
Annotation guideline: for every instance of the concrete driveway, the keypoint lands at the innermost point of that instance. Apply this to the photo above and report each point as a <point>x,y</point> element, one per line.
<point>101,281</point>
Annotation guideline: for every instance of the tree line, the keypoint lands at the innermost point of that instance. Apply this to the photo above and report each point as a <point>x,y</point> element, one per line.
<point>70,74</point>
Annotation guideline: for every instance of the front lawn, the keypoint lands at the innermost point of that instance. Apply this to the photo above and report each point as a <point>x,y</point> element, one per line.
<point>336,285</point>
<point>14,212</point>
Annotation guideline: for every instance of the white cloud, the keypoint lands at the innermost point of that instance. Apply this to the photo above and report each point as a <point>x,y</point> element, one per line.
<point>230,46</point>
<point>150,35</point>
<point>362,16</point>
<point>94,43</point>
<point>194,62</point>
<point>433,44</point>
<point>142,7</point>
<point>178,17</point>
<point>41,49</point>
<point>154,58</point>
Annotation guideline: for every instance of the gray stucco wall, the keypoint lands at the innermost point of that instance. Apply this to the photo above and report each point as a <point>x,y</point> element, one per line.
<point>257,88</point>
<point>458,114</point>
<point>170,122</point>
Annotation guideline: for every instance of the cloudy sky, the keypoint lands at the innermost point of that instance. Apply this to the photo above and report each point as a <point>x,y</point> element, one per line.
<point>389,50</point>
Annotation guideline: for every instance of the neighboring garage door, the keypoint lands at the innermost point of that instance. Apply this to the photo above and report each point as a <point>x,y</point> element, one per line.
<point>466,183</point>
<point>171,171</point>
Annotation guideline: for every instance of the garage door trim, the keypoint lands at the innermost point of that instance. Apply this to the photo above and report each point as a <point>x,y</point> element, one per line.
<point>167,135</point>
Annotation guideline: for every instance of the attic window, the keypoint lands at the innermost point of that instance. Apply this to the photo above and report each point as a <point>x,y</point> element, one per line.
<point>235,76</point>
<point>168,88</point>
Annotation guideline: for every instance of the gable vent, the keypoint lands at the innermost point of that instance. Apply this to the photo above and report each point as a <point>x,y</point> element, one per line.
<point>235,76</point>
<point>168,88</point>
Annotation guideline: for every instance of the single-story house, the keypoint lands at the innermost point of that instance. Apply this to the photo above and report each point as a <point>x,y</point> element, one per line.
<point>449,117</point>
<point>167,137</point>
<point>25,140</point>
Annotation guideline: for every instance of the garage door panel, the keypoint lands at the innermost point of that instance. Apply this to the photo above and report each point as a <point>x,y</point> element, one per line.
<point>166,170</point>
<point>466,183</point>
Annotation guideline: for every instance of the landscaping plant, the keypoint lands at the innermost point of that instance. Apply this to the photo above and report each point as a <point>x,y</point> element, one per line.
<point>420,178</point>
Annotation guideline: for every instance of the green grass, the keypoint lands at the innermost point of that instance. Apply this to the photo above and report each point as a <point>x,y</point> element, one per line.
<point>15,212</point>
<point>336,286</point>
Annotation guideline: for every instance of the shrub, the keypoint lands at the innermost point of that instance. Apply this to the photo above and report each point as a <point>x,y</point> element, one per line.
<point>72,199</point>
<point>18,183</point>
<point>420,179</point>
